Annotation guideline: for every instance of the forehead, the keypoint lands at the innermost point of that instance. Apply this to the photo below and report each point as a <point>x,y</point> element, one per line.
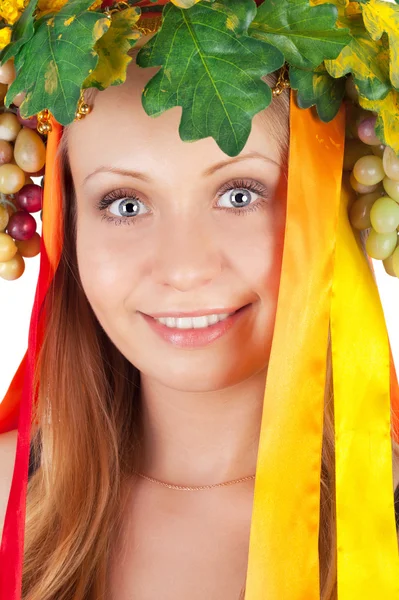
<point>118,131</point>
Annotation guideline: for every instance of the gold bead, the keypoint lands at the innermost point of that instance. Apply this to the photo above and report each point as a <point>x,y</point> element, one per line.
<point>85,109</point>
<point>44,128</point>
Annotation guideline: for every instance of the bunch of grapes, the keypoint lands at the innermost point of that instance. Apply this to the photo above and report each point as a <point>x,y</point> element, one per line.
<point>375,177</point>
<point>22,156</point>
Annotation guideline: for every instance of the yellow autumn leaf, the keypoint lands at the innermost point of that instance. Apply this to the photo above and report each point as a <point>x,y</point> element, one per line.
<point>382,17</point>
<point>48,6</point>
<point>366,59</point>
<point>112,49</point>
<point>387,127</point>
<point>5,37</point>
<point>184,3</point>
<point>346,9</point>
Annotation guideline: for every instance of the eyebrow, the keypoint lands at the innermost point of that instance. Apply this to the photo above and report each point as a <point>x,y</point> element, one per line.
<point>210,171</point>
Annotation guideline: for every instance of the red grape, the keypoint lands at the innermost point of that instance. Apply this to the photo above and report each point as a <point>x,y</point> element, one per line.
<point>366,132</point>
<point>31,122</point>
<point>30,198</point>
<point>21,226</point>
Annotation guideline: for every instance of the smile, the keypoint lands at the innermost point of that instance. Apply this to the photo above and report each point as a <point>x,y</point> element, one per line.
<point>193,322</point>
<point>194,332</point>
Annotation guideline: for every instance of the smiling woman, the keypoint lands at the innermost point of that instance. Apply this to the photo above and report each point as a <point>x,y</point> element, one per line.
<point>167,285</point>
<point>214,405</point>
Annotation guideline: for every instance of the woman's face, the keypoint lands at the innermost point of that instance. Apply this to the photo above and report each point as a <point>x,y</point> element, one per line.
<point>187,229</point>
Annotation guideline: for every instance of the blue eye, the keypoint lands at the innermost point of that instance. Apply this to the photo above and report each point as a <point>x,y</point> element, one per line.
<point>243,195</point>
<point>125,207</point>
<point>237,197</point>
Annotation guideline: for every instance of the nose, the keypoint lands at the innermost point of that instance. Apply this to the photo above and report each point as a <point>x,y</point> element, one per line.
<point>187,255</point>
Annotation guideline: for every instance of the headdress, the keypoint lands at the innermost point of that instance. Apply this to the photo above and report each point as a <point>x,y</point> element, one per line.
<point>213,55</point>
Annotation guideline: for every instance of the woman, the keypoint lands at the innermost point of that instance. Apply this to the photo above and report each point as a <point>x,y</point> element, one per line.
<point>151,231</point>
<point>194,412</point>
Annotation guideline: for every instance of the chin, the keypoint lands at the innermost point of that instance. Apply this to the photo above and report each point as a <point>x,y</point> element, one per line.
<point>214,376</point>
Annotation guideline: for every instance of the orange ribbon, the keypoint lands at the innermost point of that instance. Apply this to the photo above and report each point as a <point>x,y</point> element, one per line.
<point>283,555</point>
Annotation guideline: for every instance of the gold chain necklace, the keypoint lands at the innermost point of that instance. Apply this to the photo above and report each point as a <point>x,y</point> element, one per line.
<point>196,487</point>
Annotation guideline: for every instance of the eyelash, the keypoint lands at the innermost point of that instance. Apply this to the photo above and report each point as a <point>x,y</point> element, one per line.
<point>250,185</point>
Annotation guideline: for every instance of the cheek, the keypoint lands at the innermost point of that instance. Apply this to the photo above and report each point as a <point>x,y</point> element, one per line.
<point>105,264</point>
<point>254,245</point>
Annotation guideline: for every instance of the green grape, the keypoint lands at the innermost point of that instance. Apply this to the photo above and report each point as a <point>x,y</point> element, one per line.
<point>388,266</point>
<point>29,151</point>
<point>391,164</point>
<point>9,126</point>
<point>359,187</point>
<point>359,213</point>
<point>12,178</point>
<point>6,152</point>
<point>384,215</point>
<point>8,248</point>
<point>392,188</point>
<point>12,269</point>
<point>4,217</point>
<point>395,261</point>
<point>369,170</point>
<point>355,149</point>
<point>381,245</point>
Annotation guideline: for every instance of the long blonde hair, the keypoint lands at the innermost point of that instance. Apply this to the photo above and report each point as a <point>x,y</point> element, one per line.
<point>90,438</point>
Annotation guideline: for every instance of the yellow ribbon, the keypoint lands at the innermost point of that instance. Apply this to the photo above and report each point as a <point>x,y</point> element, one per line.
<point>324,275</point>
<point>368,563</point>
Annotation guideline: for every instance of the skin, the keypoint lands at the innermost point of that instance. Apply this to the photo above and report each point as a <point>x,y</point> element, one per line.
<point>189,250</point>
<point>186,254</point>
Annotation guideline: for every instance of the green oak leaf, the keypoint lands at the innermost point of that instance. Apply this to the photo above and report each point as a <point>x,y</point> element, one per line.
<point>112,49</point>
<point>212,69</point>
<point>383,17</point>
<point>318,88</point>
<point>306,35</point>
<point>64,41</point>
<point>22,32</point>
<point>367,60</point>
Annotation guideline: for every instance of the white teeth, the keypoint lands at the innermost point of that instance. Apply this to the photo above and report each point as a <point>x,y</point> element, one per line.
<point>193,322</point>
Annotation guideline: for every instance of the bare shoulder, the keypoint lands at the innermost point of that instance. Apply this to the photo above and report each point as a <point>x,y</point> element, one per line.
<point>8,446</point>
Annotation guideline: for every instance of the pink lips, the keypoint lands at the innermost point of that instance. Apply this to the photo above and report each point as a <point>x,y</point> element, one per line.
<point>194,338</point>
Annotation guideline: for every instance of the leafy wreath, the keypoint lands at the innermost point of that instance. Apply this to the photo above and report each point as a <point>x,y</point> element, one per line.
<point>213,54</point>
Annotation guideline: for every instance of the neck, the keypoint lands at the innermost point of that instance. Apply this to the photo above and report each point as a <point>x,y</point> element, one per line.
<point>200,438</point>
